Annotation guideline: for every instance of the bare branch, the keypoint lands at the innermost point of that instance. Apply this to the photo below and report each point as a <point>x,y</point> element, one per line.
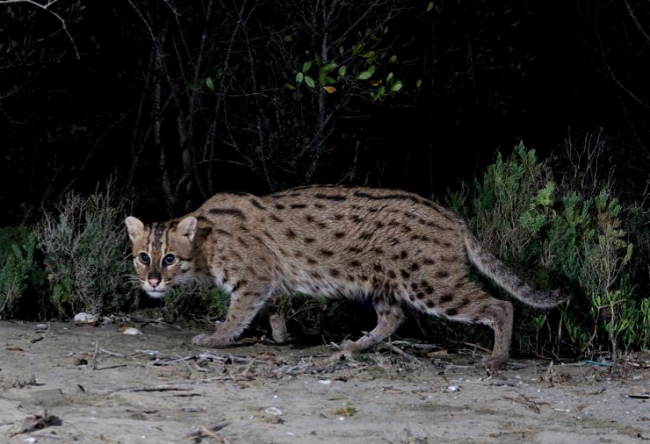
<point>46,7</point>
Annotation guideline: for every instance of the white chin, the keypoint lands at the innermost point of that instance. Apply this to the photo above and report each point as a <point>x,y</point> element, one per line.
<point>156,294</point>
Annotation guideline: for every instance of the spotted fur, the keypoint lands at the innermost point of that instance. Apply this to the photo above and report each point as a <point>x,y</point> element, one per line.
<point>393,247</point>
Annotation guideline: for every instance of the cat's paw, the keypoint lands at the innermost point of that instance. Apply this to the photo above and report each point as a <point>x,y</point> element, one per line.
<point>493,364</point>
<point>205,340</point>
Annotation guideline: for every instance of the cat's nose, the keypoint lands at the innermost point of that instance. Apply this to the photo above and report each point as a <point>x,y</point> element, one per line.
<point>154,282</point>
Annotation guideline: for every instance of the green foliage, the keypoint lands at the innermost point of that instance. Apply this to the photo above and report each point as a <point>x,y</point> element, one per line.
<point>196,300</point>
<point>20,270</point>
<point>83,247</point>
<point>557,236</point>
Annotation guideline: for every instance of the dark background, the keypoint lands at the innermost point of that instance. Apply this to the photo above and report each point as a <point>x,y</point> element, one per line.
<point>174,101</point>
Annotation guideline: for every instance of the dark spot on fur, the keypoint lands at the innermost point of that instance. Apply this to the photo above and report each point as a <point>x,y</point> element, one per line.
<point>405,274</point>
<point>356,218</point>
<point>429,304</point>
<point>378,267</point>
<point>334,272</point>
<point>394,196</point>
<point>428,261</point>
<point>296,206</point>
<point>391,274</point>
<point>290,234</point>
<point>311,261</point>
<point>228,212</point>
<point>309,218</point>
<point>279,206</point>
<point>223,232</point>
<point>442,274</point>
<point>355,249</point>
<point>334,197</point>
<point>326,253</point>
<point>379,224</point>
<point>242,241</point>
<point>309,240</point>
<point>320,206</point>
<point>378,250</point>
<point>338,216</point>
<point>415,266</point>
<point>404,254</point>
<point>451,312</point>
<point>315,274</point>
<point>447,297</point>
<point>355,263</point>
<point>339,234</point>
<point>256,203</point>
<point>366,235</point>
<point>276,218</point>
<point>414,286</point>
<point>239,284</point>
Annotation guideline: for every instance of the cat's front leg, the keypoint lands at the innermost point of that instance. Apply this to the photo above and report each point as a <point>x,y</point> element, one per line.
<point>244,305</point>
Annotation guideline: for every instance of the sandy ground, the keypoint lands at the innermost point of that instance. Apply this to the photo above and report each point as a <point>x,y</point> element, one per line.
<point>96,385</point>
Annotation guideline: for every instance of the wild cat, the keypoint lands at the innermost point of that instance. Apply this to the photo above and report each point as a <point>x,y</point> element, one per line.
<point>392,247</point>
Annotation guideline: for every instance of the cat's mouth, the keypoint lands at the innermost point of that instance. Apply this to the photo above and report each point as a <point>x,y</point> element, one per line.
<point>155,293</point>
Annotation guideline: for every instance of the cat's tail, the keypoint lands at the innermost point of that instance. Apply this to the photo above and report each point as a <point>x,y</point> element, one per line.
<point>493,268</point>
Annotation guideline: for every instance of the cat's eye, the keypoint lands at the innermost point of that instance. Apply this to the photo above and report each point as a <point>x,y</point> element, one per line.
<point>144,258</point>
<point>168,259</point>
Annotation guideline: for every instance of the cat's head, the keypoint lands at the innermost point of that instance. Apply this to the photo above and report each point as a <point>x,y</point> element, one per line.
<point>162,253</point>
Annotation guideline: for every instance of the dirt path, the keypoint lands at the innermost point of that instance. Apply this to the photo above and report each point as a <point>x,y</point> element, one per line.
<point>106,387</point>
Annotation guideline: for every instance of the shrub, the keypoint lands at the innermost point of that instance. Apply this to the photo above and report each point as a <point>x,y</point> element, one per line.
<point>20,271</point>
<point>559,234</point>
<point>84,249</point>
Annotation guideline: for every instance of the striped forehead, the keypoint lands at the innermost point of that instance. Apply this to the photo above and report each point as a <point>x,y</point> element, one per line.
<point>158,237</point>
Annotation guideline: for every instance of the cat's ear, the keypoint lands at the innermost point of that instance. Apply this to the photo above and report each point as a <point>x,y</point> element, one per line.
<point>134,226</point>
<point>187,227</point>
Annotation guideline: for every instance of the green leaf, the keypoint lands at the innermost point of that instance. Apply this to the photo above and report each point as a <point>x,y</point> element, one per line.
<point>331,66</point>
<point>365,75</point>
<point>392,59</point>
<point>289,86</point>
<point>310,82</point>
<point>389,77</point>
<point>368,54</point>
<point>429,6</point>
<point>306,66</point>
<point>209,83</point>
<point>342,70</point>
<point>418,84</point>
<point>397,86</point>
<point>299,77</point>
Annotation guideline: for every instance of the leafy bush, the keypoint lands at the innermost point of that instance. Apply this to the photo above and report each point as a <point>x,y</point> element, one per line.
<point>20,271</point>
<point>84,254</point>
<point>554,234</point>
